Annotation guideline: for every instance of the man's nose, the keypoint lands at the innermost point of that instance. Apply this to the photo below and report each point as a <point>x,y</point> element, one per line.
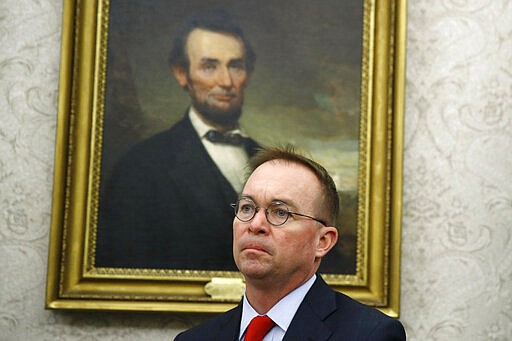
<point>224,77</point>
<point>259,223</point>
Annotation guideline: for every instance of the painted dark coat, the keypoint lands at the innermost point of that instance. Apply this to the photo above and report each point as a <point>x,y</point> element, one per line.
<point>167,205</point>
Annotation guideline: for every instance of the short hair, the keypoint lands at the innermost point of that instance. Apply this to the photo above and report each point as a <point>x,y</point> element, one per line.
<point>215,21</point>
<point>288,153</point>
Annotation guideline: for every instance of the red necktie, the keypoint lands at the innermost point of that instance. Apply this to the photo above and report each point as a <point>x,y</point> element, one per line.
<point>258,328</point>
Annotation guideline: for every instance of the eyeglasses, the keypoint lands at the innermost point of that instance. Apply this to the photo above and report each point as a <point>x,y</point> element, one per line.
<point>277,213</point>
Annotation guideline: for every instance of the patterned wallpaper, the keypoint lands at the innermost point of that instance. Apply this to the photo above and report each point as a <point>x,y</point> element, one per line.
<point>457,243</point>
<point>457,246</point>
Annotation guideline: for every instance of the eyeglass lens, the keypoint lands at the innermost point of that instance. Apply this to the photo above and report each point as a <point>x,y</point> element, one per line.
<point>277,213</point>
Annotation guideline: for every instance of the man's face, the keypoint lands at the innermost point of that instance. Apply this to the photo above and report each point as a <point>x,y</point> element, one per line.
<point>286,255</point>
<point>216,77</point>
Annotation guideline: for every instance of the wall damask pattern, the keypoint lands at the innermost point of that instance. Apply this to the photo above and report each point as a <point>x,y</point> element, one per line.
<point>457,246</point>
<point>457,243</point>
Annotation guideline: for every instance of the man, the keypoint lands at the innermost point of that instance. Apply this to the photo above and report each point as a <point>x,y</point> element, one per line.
<point>167,202</point>
<point>282,229</point>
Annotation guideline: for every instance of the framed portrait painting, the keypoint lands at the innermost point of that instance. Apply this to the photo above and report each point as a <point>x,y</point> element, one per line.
<point>141,216</point>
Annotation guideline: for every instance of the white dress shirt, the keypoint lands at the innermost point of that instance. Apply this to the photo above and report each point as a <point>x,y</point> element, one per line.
<point>281,313</point>
<point>231,160</point>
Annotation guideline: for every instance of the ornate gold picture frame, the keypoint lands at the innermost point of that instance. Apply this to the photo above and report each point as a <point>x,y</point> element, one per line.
<point>367,104</point>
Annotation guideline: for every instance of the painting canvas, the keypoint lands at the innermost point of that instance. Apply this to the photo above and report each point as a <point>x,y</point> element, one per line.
<point>304,90</point>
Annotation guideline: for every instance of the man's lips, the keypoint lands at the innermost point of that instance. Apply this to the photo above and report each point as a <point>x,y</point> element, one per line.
<point>224,98</point>
<point>254,247</point>
<point>223,95</point>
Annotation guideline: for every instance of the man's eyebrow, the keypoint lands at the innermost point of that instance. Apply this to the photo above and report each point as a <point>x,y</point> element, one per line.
<point>243,196</point>
<point>273,201</point>
<point>206,60</point>
<point>237,61</point>
<point>288,203</point>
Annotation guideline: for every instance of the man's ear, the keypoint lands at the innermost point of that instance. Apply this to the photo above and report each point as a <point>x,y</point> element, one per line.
<point>181,76</point>
<point>327,239</point>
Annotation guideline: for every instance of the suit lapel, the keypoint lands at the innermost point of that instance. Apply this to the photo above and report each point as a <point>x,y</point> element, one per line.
<point>230,327</point>
<point>308,322</point>
<point>251,147</point>
<point>208,185</point>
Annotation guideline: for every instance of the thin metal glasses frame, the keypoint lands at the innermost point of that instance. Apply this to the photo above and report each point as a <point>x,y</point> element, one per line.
<point>257,208</point>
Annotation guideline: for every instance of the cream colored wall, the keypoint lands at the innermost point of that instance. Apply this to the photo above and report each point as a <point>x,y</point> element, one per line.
<point>457,242</point>
<point>457,209</point>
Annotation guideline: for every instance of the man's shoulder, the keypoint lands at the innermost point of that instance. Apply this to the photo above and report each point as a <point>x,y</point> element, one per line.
<point>179,131</point>
<point>218,328</point>
<point>365,321</point>
<point>344,315</point>
<point>165,143</point>
<point>357,309</point>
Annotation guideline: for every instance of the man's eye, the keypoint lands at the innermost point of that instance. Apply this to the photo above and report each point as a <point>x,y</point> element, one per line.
<point>279,212</point>
<point>246,208</point>
<point>237,66</point>
<point>208,67</point>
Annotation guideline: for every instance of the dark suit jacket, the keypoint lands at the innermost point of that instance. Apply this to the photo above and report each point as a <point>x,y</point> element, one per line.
<point>167,206</point>
<point>323,315</point>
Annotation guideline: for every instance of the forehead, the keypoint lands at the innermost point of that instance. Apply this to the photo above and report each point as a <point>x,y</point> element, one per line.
<point>213,45</point>
<point>290,182</point>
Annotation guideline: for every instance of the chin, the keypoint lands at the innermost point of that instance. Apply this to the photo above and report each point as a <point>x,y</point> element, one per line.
<point>254,275</point>
<point>254,270</point>
<point>223,115</point>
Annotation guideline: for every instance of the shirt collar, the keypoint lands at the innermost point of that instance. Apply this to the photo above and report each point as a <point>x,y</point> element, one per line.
<point>282,312</point>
